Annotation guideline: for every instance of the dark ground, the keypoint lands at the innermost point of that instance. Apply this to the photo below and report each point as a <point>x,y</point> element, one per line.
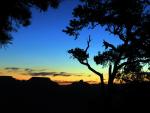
<point>40,95</point>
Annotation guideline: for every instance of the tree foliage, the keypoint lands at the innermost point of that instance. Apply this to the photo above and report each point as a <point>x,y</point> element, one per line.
<point>128,20</point>
<point>15,13</point>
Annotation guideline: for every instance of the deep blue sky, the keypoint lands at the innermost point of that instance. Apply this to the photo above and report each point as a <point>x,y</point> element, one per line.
<point>43,45</point>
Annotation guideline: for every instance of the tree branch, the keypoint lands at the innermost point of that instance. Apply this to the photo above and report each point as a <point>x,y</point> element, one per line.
<point>127,63</point>
<point>91,69</point>
<point>106,44</point>
<point>88,43</point>
<point>116,30</point>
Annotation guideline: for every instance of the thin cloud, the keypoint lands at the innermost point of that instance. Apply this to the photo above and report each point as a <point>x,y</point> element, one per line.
<point>41,73</point>
<point>12,68</point>
<point>28,69</point>
<point>62,74</point>
<point>89,75</point>
<point>33,70</point>
<point>66,74</point>
<point>49,74</point>
<point>53,74</point>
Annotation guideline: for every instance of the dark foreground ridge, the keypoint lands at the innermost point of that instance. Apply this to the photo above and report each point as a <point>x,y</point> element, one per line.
<point>41,95</point>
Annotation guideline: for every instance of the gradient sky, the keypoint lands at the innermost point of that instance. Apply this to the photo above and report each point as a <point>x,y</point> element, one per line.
<point>42,48</point>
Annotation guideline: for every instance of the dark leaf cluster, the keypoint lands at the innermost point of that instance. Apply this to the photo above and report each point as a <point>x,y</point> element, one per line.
<point>79,54</point>
<point>15,13</point>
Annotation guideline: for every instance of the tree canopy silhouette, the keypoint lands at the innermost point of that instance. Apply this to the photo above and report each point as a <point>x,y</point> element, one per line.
<point>127,20</point>
<point>15,13</point>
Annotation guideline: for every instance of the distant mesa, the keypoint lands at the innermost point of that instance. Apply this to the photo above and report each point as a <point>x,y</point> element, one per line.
<point>41,81</point>
<point>7,79</point>
<point>80,83</point>
<point>38,81</point>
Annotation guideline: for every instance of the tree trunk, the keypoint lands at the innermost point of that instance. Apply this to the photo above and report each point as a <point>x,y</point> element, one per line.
<point>110,88</point>
<point>102,86</point>
<point>103,95</point>
<point>110,84</point>
<point>110,80</point>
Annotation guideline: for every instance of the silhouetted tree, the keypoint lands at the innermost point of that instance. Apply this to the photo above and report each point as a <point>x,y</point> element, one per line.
<point>14,13</point>
<point>128,20</point>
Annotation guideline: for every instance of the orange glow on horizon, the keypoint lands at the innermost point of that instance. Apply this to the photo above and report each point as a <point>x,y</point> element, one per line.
<point>60,79</point>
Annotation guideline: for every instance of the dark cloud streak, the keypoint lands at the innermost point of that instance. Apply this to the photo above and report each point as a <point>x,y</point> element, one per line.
<point>12,68</point>
<point>49,74</point>
<point>53,74</point>
<point>28,69</point>
<point>41,72</point>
